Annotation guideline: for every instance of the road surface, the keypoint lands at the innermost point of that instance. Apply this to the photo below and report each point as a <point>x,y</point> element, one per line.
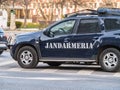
<point>65,77</point>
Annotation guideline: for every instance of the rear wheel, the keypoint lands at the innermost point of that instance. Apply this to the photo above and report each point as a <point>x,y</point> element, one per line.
<point>1,52</point>
<point>110,60</point>
<point>54,64</point>
<point>27,57</point>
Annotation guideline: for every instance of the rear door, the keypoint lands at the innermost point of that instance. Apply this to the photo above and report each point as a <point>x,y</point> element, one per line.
<point>86,37</point>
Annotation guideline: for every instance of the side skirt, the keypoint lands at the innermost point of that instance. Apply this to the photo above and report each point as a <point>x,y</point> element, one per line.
<point>66,60</point>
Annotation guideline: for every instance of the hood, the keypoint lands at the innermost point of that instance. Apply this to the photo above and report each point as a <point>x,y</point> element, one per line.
<point>30,34</point>
<point>26,37</point>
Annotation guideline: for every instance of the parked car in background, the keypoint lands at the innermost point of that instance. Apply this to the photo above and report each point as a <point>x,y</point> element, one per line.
<point>3,41</point>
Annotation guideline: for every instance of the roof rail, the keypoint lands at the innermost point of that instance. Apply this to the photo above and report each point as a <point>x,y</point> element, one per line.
<point>82,12</point>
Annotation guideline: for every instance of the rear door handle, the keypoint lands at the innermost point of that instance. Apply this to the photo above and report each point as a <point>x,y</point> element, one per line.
<point>66,40</point>
<point>95,38</point>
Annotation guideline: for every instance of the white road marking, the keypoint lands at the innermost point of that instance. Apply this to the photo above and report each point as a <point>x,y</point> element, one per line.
<point>6,63</point>
<point>49,70</point>
<point>41,78</point>
<point>15,69</point>
<point>117,74</point>
<point>80,72</point>
<point>85,72</point>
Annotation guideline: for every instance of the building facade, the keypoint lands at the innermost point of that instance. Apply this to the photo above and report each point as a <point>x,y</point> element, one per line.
<point>52,10</point>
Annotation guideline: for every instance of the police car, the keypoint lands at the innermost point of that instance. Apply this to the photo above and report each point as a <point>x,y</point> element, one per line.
<point>89,37</point>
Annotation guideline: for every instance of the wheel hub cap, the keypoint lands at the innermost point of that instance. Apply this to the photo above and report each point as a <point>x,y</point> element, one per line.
<point>26,57</point>
<point>110,60</point>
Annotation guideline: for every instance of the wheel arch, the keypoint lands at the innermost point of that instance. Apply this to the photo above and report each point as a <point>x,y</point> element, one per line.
<point>105,47</point>
<point>23,45</point>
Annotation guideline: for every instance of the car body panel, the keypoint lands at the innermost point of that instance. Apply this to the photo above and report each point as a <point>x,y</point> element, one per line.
<point>85,46</point>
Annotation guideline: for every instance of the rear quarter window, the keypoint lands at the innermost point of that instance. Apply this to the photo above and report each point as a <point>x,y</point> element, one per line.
<point>112,24</point>
<point>88,26</point>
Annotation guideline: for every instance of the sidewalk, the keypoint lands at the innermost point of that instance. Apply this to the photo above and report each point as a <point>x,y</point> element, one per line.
<point>23,29</point>
<point>28,29</point>
<point>20,30</point>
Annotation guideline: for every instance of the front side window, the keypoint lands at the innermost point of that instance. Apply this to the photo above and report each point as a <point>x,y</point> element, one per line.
<point>112,24</point>
<point>88,26</point>
<point>63,28</point>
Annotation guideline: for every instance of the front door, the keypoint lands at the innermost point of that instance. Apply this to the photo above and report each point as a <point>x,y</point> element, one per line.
<point>87,37</point>
<point>56,43</point>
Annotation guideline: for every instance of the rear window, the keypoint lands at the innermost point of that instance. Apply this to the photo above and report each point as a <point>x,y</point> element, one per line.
<point>112,24</point>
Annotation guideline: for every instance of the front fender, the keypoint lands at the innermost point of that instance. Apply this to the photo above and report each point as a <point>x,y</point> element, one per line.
<point>15,48</point>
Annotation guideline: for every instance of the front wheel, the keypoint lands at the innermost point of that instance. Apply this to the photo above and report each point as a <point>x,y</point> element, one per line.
<point>110,60</point>
<point>27,57</point>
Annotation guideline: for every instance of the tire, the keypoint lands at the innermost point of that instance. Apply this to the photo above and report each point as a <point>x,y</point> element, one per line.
<point>1,52</point>
<point>27,57</point>
<point>110,60</point>
<point>54,64</point>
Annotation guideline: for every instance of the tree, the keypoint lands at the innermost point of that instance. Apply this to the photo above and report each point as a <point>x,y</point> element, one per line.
<point>83,3</point>
<point>4,3</point>
<point>24,4</point>
<point>109,3</point>
<point>62,3</point>
<point>13,3</point>
<point>50,6</point>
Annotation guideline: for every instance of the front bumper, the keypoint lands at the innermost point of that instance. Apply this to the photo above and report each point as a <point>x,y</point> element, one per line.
<point>3,46</point>
<point>12,52</point>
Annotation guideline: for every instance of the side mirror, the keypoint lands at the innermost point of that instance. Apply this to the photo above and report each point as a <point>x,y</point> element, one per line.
<point>49,33</point>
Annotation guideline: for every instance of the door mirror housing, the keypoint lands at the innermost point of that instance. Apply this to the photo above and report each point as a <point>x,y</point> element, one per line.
<point>49,33</point>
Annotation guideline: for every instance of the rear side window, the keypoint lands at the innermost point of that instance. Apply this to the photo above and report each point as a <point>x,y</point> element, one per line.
<point>88,26</point>
<point>112,24</point>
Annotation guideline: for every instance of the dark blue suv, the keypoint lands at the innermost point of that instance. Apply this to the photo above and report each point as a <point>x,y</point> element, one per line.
<point>88,37</point>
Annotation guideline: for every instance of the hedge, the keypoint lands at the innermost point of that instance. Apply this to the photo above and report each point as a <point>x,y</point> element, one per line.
<point>29,25</point>
<point>17,23</point>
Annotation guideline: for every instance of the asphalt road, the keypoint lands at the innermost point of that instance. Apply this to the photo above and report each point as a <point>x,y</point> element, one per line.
<point>65,77</point>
